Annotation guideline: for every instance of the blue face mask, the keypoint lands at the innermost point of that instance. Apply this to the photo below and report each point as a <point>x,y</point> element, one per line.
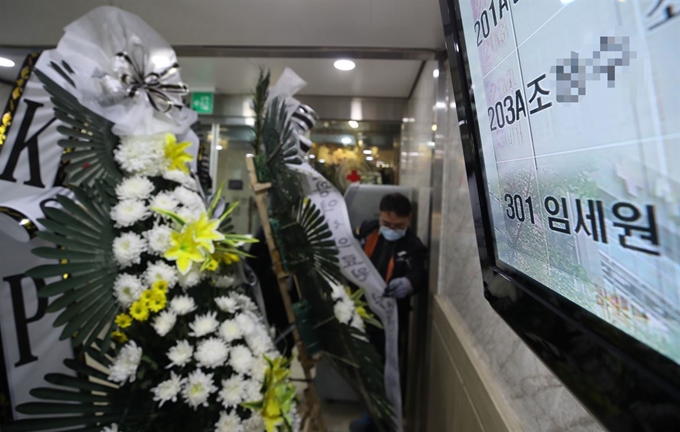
<point>392,234</point>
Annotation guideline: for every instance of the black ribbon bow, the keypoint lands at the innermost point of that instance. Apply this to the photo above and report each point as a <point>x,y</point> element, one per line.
<point>158,92</point>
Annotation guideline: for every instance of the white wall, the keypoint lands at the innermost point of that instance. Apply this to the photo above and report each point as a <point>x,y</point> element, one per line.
<point>482,377</point>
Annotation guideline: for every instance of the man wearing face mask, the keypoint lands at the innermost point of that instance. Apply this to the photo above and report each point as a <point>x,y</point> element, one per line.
<point>399,256</point>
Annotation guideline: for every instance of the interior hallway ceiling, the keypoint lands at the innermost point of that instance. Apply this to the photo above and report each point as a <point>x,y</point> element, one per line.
<point>381,36</point>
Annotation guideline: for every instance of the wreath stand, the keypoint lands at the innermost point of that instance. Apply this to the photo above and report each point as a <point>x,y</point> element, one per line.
<point>311,410</point>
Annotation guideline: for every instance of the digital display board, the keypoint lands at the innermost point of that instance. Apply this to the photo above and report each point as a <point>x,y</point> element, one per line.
<point>578,107</point>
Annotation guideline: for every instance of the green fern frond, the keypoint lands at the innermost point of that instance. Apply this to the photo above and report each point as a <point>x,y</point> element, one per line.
<point>89,141</point>
<point>83,234</point>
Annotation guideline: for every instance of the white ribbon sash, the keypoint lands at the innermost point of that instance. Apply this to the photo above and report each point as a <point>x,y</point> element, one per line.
<point>358,269</point>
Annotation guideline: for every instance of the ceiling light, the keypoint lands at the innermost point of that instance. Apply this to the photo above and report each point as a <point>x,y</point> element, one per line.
<point>322,161</point>
<point>219,147</point>
<point>344,65</point>
<point>440,105</point>
<point>368,152</point>
<point>431,144</point>
<point>369,158</point>
<point>434,128</point>
<point>435,73</point>
<point>346,140</point>
<point>250,121</point>
<point>249,155</point>
<point>353,124</point>
<point>311,156</point>
<point>5,62</point>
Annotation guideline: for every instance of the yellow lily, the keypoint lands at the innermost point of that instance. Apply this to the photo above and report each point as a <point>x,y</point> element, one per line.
<point>184,249</point>
<point>206,232</point>
<point>271,414</point>
<point>176,155</point>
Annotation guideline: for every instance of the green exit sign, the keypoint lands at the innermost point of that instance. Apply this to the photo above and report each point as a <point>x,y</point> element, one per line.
<point>202,103</point>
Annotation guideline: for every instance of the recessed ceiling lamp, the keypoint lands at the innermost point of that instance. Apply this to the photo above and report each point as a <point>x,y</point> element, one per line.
<point>435,73</point>
<point>344,65</point>
<point>346,140</point>
<point>369,158</point>
<point>5,62</point>
<point>353,124</point>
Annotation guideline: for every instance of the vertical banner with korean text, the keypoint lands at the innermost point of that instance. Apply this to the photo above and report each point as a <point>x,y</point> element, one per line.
<point>29,167</point>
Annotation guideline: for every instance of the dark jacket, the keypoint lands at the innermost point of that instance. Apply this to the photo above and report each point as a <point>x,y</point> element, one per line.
<point>409,254</point>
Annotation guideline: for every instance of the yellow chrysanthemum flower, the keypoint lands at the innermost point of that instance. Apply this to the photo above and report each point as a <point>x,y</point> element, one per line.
<point>158,301</point>
<point>160,285</point>
<point>206,232</point>
<point>119,336</point>
<point>175,154</point>
<point>146,296</point>
<point>123,320</point>
<point>184,249</point>
<point>139,311</point>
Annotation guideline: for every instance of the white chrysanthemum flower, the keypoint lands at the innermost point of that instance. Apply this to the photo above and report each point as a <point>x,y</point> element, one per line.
<point>189,214</point>
<point>244,302</point>
<point>241,359</point>
<point>344,309</point>
<point>134,188</point>
<point>233,391</point>
<point>158,271</point>
<point>254,424</point>
<point>204,325</point>
<point>358,322</point>
<point>180,354</point>
<point>296,419</point>
<point>211,353</point>
<point>229,422</point>
<point>189,198</point>
<point>338,292</point>
<point>125,364</point>
<point>246,323</point>
<point>164,322</point>
<point>182,305</point>
<point>128,212</point>
<point>197,388</point>
<point>253,391</point>
<point>128,289</point>
<point>182,178</point>
<point>128,249</point>
<point>168,390</point>
<point>224,281</point>
<point>112,428</point>
<point>142,154</point>
<point>192,278</point>
<point>159,238</point>
<point>164,201</point>
<point>226,304</point>
<point>230,331</point>
<point>259,369</point>
<point>259,341</point>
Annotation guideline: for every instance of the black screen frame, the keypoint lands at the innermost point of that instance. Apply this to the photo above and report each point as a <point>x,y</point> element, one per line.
<point>641,385</point>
